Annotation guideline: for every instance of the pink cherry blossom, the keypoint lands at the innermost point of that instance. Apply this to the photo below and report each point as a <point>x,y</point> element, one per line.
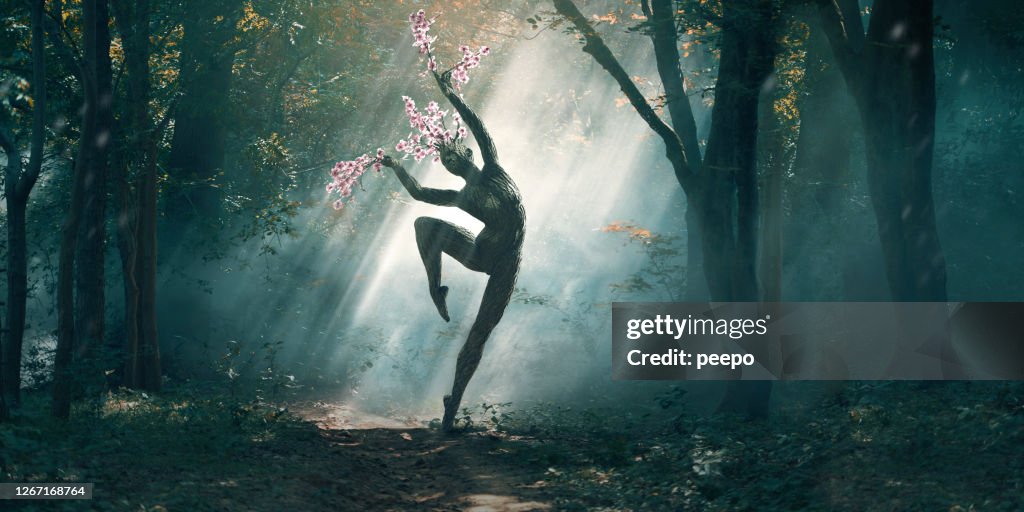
<point>429,129</point>
<point>345,175</point>
<point>420,26</point>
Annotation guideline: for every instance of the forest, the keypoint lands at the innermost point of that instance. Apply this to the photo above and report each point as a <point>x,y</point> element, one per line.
<point>217,216</point>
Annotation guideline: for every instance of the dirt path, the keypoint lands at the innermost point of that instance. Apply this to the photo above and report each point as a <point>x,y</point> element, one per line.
<point>407,467</point>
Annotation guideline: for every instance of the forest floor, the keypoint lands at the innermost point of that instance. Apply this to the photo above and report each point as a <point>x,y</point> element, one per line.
<point>876,446</point>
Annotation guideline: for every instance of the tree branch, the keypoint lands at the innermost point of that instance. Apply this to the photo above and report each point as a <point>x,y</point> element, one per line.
<point>65,50</point>
<point>840,21</point>
<point>595,46</point>
<point>666,54</point>
<point>35,160</point>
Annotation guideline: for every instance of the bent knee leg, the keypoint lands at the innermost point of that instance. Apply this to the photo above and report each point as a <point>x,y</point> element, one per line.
<point>426,225</point>
<point>431,233</point>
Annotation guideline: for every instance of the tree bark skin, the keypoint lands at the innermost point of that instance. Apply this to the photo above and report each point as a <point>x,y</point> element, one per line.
<point>899,117</point>
<point>747,60</point>
<point>594,45</point>
<point>665,40</point>
<point>146,272</point>
<point>491,196</point>
<point>892,79</point>
<point>137,198</point>
<point>66,329</point>
<point>17,187</point>
<point>90,267</point>
<point>17,292</point>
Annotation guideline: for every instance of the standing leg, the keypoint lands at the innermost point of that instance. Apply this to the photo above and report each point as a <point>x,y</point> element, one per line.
<point>496,297</point>
<point>434,236</point>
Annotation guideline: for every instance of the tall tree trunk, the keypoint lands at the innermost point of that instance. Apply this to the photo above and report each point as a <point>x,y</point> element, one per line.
<point>137,198</point>
<point>62,378</point>
<point>84,166</point>
<point>17,292</point>
<point>17,187</point>
<point>747,60</point>
<point>90,252</point>
<point>200,127</point>
<point>892,79</point>
<point>127,226</point>
<point>4,412</point>
<point>15,238</point>
<point>899,117</point>
<point>146,274</point>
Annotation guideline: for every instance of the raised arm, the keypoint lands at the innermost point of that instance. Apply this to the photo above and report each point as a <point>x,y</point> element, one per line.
<point>436,196</point>
<point>483,139</point>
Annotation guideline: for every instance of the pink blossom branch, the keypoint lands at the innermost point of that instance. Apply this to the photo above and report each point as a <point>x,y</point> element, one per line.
<point>429,130</point>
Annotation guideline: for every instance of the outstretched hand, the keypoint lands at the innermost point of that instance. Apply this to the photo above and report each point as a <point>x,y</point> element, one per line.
<point>387,161</point>
<point>444,80</point>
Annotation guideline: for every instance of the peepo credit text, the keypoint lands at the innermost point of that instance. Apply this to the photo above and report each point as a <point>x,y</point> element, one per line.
<point>678,328</point>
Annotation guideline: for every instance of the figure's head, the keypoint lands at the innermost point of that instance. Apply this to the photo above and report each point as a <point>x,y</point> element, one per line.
<point>457,158</point>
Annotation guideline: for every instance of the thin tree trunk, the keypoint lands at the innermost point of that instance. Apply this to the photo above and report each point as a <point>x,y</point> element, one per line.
<point>127,218</point>
<point>127,224</point>
<point>62,379</point>
<point>4,413</point>
<point>146,272</point>
<point>17,291</point>
<point>661,14</point>
<point>137,230</point>
<point>17,187</point>
<point>15,238</point>
<point>774,159</point>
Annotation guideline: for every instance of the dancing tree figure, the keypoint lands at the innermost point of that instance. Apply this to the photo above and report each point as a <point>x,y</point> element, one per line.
<point>489,195</point>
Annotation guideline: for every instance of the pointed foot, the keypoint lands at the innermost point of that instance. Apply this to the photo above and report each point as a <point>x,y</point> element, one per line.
<point>440,297</point>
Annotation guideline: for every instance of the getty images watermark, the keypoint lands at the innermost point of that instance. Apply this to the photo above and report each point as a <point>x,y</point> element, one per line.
<point>817,341</point>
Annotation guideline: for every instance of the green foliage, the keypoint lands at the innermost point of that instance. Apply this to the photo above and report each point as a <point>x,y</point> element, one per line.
<point>236,369</point>
<point>143,450</point>
<point>486,417</point>
<point>862,445</point>
<point>262,201</point>
<point>663,271</point>
<point>272,379</point>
